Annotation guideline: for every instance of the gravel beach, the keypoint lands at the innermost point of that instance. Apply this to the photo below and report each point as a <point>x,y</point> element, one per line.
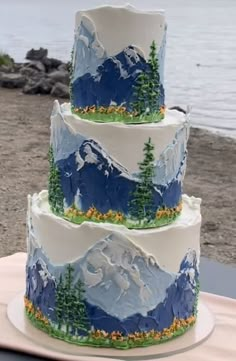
<point>24,142</point>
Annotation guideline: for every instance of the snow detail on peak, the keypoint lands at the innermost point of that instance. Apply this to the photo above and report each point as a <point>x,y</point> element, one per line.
<point>172,161</point>
<point>190,257</point>
<point>95,154</point>
<point>132,55</point>
<point>190,267</point>
<point>32,243</point>
<point>79,160</point>
<point>89,53</point>
<point>63,141</point>
<point>44,273</point>
<point>123,72</point>
<point>121,278</point>
<point>90,156</point>
<point>191,274</point>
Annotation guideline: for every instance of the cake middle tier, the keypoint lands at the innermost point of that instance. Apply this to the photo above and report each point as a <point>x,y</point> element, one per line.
<point>114,172</point>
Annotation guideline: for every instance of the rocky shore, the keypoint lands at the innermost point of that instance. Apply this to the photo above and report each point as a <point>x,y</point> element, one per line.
<point>38,75</point>
<point>24,143</point>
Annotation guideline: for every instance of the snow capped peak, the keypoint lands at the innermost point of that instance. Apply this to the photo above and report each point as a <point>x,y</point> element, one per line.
<point>88,35</point>
<point>191,274</point>
<point>90,156</point>
<point>116,271</point>
<point>191,257</point>
<point>190,260</point>
<point>79,160</point>
<point>87,47</point>
<point>172,161</point>
<point>190,267</point>
<point>123,72</point>
<point>44,273</point>
<point>87,24</point>
<point>63,141</point>
<point>132,55</point>
<point>92,153</point>
<point>57,123</point>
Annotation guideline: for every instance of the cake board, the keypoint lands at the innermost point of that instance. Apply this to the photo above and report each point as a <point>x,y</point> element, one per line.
<point>193,337</point>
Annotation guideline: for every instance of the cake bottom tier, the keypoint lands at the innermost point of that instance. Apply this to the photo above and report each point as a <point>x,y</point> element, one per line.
<point>104,285</point>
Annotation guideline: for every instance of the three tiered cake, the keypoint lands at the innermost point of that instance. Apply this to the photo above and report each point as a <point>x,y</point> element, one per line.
<point>113,245</point>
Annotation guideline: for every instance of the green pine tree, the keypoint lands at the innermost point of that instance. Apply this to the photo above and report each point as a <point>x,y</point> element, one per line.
<point>60,301</point>
<point>70,305</point>
<point>141,205</point>
<point>69,298</point>
<point>81,322</point>
<point>140,93</point>
<point>146,92</point>
<point>154,79</point>
<point>55,194</point>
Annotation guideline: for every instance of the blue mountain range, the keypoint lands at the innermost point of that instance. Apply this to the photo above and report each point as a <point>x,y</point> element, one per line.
<point>40,288</point>
<point>113,81</point>
<point>117,274</point>
<point>179,303</point>
<point>90,177</point>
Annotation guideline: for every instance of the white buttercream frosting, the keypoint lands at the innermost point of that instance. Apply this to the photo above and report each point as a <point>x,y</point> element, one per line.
<point>126,27</point>
<point>65,242</point>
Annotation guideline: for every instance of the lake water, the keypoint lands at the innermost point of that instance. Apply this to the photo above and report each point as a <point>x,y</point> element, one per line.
<point>200,67</point>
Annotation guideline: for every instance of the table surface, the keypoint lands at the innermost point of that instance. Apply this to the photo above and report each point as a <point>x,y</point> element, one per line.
<point>220,284</point>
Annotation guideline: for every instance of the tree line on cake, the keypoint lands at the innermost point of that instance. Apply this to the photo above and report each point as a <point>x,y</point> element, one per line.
<point>71,321</point>
<point>145,104</point>
<point>70,316</point>
<point>101,338</point>
<point>147,88</point>
<point>142,212</point>
<point>70,306</point>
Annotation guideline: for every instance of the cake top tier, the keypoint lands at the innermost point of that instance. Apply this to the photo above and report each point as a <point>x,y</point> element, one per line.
<point>118,60</point>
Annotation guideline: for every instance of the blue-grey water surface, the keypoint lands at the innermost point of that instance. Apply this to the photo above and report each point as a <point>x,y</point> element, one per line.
<point>200,63</point>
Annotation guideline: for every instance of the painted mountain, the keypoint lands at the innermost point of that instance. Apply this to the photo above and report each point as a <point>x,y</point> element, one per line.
<point>102,80</point>
<point>90,177</point>
<point>113,81</point>
<point>126,290</point>
<point>40,288</point>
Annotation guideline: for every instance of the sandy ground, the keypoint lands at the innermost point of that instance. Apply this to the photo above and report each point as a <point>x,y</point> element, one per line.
<point>24,141</point>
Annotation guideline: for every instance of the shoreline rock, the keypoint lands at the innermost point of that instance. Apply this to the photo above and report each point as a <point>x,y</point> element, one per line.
<point>12,80</point>
<point>38,75</point>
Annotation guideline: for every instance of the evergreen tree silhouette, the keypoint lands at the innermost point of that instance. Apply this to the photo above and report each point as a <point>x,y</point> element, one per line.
<point>146,92</point>
<point>141,206</point>
<point>140,93</point>
<point>70,304</point>
<point>60,301</point>
<point>81,322</point>
<point>154,79</point>
<point>55,194</point>
<point>69,298</point>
